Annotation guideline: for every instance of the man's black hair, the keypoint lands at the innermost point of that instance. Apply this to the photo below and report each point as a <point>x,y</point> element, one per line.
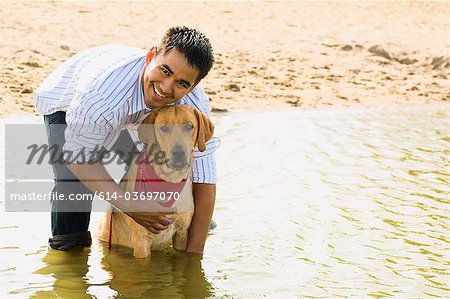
<point>191,43</point>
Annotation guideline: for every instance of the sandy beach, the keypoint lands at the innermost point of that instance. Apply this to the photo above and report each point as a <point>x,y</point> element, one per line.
<point>269,55</point>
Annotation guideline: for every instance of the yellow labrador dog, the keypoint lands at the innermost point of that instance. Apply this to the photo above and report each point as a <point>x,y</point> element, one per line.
<point>174,131</point>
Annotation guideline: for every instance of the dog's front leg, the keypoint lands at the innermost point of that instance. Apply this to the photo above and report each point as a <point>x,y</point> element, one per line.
<point>141,247</point>
<point>182,222</point>
<point>141,240</point>
<point>180,239</point>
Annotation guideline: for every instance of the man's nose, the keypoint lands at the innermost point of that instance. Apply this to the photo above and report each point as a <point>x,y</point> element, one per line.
<point>167,86</point>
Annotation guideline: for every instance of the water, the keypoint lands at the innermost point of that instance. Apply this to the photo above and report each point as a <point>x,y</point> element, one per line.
<point>319,204</point>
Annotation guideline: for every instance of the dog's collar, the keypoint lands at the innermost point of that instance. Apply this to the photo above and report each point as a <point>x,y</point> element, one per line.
<point>147,181</point>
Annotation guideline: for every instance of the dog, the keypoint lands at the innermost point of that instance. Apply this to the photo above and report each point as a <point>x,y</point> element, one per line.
<point>174,131</point>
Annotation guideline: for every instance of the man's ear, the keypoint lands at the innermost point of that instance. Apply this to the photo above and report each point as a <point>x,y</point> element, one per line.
<point>146,130</point>
<point>205,129</point>
<point>150,55</point>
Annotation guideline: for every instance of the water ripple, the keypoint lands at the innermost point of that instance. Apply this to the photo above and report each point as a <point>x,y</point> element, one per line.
<point>314,204</point>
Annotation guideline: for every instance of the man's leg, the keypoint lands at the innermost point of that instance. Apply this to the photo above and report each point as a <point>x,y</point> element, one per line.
<point>69,219</point>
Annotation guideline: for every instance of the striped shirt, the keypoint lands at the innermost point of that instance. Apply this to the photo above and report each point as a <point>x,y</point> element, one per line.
<point>101,92</point>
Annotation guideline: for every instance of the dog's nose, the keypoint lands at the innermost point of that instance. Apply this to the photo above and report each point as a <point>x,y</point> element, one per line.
<point>178,152</point>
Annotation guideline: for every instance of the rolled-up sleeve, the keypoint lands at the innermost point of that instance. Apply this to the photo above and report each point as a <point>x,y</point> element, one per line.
<point>204,168</point>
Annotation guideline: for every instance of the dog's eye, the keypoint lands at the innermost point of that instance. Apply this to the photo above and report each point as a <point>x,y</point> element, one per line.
<point>164,128</point>
<point>188,127</point>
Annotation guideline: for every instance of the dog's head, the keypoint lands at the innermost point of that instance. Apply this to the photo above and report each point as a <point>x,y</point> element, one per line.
<point>176,130</point>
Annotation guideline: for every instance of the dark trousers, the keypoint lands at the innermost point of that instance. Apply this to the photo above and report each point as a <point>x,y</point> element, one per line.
<point>70,229</point>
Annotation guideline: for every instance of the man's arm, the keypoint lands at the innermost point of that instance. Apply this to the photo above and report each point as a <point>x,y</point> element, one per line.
<point>96,178</point>
<point>204,200</point>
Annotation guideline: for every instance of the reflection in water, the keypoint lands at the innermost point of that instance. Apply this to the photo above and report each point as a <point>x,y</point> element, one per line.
<point>321,204</point>
<point>166,275</point>
<point>68,270</point>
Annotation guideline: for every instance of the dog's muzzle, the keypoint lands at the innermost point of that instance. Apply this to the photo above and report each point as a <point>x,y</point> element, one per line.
<point>179,158</point>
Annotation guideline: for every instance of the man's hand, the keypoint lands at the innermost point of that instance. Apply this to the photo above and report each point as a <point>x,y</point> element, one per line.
<point>153,221</point>
<point>151,215</point>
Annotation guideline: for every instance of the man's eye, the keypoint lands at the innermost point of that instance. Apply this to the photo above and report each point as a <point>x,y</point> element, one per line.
<point>166,72</point>
<point>188,127</point>
<point>184,85</point>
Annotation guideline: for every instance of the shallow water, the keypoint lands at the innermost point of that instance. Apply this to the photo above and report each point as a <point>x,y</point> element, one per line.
<point>322,204</point>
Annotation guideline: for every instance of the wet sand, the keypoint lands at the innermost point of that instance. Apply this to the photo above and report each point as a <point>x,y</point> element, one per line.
<point>269,55</point>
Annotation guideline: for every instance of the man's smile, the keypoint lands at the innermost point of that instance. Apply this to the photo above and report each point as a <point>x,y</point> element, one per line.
<point>159,94</point>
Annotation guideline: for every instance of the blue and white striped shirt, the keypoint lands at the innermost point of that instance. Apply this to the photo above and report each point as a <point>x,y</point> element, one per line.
<point>101,92</point>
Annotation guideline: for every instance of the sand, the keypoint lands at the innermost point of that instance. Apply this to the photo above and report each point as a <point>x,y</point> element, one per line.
<point>269,55</point>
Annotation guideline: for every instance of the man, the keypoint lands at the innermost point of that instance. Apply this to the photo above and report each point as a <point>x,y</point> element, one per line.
<point>99,92</point>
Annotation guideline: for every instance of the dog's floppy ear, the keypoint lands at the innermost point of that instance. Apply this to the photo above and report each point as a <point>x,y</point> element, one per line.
<point>205,129</point>
<point>146,129</point>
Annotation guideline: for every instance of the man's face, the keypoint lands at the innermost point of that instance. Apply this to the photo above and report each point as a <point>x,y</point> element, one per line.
<point>167,78</point>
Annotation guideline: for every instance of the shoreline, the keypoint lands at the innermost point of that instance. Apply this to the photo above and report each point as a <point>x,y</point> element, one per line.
<point>282,109</point>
